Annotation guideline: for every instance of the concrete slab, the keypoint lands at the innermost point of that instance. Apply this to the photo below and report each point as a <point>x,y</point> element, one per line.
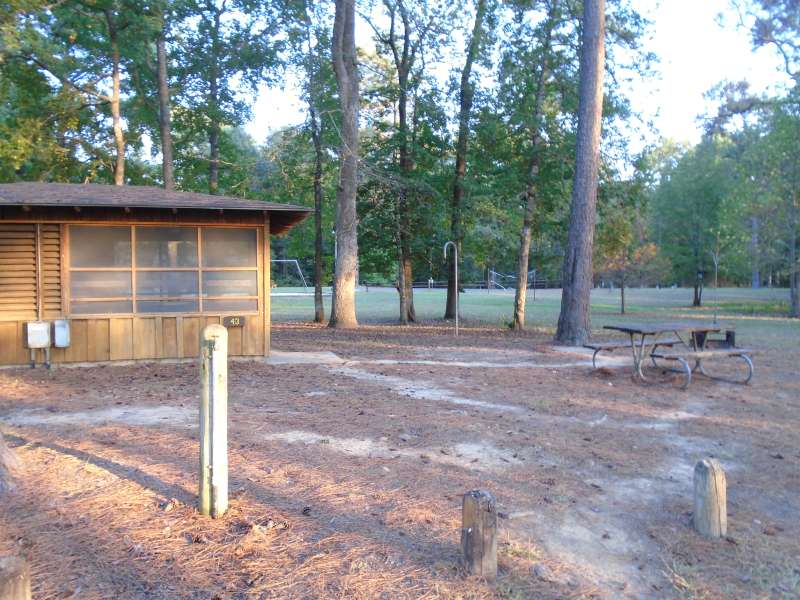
<point>277,357</point>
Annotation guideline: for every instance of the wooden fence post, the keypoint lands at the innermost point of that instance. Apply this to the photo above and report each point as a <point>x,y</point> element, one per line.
<point>214,421</point>
<point>710,499</point>
<point>479,534</point>
<point>15,579</point>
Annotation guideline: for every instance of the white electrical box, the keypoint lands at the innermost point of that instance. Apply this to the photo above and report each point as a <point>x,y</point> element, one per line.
<point>38,334</point>
<point>61,333</point>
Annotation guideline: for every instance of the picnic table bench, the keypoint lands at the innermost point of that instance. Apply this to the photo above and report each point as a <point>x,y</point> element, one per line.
<point>698,356</point>
<point>687,342</point>
<point>610,346</point>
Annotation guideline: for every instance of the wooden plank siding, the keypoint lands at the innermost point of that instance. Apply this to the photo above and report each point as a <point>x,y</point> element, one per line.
<point>100,338</point>
<point>146,338</point>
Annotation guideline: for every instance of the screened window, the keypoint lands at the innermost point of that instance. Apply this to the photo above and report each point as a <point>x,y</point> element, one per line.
<point>230,269</point>
<point>230,248</point>
<point>166,247</point>
<point>143,269</point>
<point>100,247</point>
<point>100,270</point>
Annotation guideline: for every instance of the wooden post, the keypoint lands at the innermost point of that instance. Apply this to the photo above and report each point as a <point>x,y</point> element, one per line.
<point>15,579</point>
<point>214,421</point>
<point>479,534</point>
<point>710,499</point>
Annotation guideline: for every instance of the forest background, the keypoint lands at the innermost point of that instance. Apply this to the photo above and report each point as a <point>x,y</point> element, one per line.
<point>466,131</point>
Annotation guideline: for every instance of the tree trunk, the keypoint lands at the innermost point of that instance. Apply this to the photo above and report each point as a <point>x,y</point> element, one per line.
<point>404,56</point>
<point>403,213</point>
<point>622,294</point>
<point>401,272</point>
<point>119,135</point>
<point>213,153</point>
<point>755,281</point>
<point>794,276</point>
<point>213,109</point>
<point>573,322</point>
<point>319,307</point>
<point>408,279</point>
<point>523,256</point>
<point>164,115</point>
<point>466,95</point>
<point>697,298</point>
<point>346,67</point>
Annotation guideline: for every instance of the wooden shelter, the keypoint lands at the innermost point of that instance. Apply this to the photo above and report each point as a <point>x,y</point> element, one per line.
<point>133,272</point>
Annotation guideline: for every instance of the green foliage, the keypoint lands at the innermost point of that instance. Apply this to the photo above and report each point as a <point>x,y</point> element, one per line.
<point>688,208</point>
<point>675,212</point>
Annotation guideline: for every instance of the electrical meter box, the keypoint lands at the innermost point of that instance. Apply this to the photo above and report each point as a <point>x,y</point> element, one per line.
<point>37,334</point>
<point>61,333</point>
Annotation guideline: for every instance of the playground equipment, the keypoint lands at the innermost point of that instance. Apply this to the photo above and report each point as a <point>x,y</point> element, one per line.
<point>503,281</point>
<point>296,265</point>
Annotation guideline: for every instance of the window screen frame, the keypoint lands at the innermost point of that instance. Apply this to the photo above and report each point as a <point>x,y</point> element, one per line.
<point>260,232</point>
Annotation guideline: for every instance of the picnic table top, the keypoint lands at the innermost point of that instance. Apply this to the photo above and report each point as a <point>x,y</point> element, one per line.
<point>654,328</point>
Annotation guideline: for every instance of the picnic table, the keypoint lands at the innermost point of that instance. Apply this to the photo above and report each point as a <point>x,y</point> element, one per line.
<point>684,343</point>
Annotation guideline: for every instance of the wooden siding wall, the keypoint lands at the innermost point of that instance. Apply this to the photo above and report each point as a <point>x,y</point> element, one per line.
<point>132,338</point>
<point>98,339</point>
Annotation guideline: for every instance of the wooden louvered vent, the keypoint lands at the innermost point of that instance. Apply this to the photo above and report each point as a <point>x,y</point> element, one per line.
<point>50,265</point>
<point>18,270</point>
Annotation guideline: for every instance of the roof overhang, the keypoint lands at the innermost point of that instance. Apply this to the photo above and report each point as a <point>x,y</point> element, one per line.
<point>28,196</point>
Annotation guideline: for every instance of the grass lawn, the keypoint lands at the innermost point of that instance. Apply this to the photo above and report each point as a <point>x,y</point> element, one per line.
<point>759,316</point>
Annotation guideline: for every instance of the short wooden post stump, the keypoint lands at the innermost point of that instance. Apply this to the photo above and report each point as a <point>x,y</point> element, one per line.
<point>710,517</point>
<point>15,579</point>
<point>479,534</point>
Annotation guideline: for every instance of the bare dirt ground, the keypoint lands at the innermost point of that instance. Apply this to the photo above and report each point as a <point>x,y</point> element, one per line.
<point>347,474</point>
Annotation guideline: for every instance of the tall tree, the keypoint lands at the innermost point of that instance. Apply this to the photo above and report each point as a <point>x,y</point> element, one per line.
<point>316,137</point>
<point>164,109</point>
<point>775,170</point>
<point>315,66</point>
<point>466,95</point>
<point>149,70</point>
<point>410,26</point>
<point>345,64</point>
<point>688,207</point>
<point>226,48</point>
<point>79,44</point>
<point>532,182</point>
<point>574,326</point>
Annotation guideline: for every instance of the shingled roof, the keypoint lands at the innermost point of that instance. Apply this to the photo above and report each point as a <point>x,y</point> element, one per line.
<point>282,216</point>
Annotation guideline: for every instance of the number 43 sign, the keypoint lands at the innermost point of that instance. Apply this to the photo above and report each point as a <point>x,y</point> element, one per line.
<point>232,322</point>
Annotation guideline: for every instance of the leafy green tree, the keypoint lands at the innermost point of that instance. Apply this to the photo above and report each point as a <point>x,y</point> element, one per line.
<point>85,45</point>
<point>688,210</point>
<point>223,50</point>
<point>475,51</point>
<point>774,180</point>
<point>309,26</point>
<point>624,255</point>
<point>414,35</point>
